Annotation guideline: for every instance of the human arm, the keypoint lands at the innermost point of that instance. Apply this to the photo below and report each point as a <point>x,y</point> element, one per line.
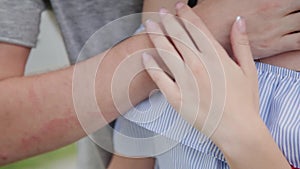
<point>240,134</point>
<point>19,27</point>
<point>37,112</point>
<point>51,104</point>
<point>212,20</point>
<point>119,162</point>
<point>210,12</point>
<point>12,60</point>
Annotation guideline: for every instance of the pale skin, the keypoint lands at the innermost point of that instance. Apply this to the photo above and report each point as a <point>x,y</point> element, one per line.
<point>45,100</point>
<point>268,23</point>
<point>234,136</point>
<point>252,144</point>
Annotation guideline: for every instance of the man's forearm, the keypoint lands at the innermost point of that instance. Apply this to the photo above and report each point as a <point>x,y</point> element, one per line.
<point>38,115</point>
<point>12,60</point>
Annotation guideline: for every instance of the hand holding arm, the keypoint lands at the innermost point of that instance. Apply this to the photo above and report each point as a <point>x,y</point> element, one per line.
<point>241,134</point>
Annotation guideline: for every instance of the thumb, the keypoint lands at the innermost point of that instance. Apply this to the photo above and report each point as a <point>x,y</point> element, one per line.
<point>241,46</point>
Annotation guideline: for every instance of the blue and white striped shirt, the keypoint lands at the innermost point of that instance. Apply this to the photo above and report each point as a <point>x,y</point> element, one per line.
<point>154,128</point>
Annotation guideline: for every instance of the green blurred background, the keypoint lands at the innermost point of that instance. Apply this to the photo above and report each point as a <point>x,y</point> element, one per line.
<point>64,158</point>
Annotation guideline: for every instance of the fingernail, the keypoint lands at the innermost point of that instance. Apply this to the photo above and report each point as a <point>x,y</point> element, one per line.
<point>241,24</point>
<point>146,57</point>
<point>179,5</point>
<point>163,11</point>
<point>150,25</point>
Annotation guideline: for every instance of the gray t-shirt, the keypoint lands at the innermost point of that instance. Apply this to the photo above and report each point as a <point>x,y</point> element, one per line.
<point>78,20</point>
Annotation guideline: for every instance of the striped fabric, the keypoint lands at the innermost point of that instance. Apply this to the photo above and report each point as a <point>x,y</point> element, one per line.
<point>154,129</point>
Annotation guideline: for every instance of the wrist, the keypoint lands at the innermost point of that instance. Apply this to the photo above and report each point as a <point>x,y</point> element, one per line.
<point>233,130</point>
<point>108,73</point>
<point>248,144</point>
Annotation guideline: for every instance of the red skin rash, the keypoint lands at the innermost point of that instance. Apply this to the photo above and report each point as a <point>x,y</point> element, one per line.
<point>3,157</point>
<point>29,141</point>
<point>40,138</point>
<point>35,141</point>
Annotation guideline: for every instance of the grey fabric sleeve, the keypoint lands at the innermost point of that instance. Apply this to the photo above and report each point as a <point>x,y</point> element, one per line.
<point>80,19</point>
<point>20,20</point>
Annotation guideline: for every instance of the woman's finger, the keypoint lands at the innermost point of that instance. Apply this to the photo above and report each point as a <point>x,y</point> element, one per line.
<point>179,36</point>
<point>241,47</point>
<point>293,20</point>
<point>195,26</point>
<point>290,42</point>
<point>212,51</point>
<point>162,80</point>
<point>294,6</point>
<point>164,48</point>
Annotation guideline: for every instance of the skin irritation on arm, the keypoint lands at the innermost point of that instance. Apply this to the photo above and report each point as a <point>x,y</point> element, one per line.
<point>13,59</point>
<point>37,112</point>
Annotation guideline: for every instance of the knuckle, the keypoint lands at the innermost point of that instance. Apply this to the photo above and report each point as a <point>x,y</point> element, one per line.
<point>265,44</point>
<point>176,98</point>
<point>298,43</point>
<point>197,69</point>
<point>155,74</point>
<point>243,41</point>
<point>194,67</point>
<point>176,37</point>
<point>183,10</point>
<point>155,37</point>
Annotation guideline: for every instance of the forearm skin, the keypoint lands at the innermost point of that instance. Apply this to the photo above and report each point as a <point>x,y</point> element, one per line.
<point>37,112</point>
<point>248,144</point>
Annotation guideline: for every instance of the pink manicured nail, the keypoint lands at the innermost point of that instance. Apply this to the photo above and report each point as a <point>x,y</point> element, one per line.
<point>150,25</point>
<point>241,24</point>
<point>179,5</point>
<point>163,11</point>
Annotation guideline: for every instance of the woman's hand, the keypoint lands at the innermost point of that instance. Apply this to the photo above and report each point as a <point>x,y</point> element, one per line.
<point>202,71</point>
<point>202,68</point>
<point>273,25</point>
